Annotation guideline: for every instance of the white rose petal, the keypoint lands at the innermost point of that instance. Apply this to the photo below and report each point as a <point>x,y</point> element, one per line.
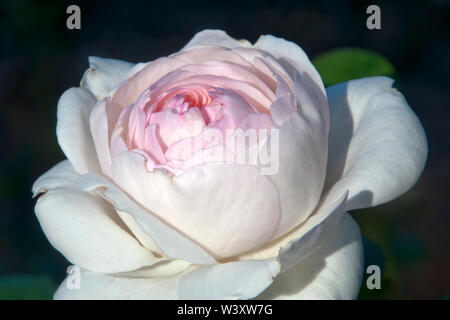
<point>377,145</point>
<point>334,271</point>
<point>72,129</point>
<point>85,228</point>
<point>174,244</point>
<point>230,281</point>
<point>103,74</point>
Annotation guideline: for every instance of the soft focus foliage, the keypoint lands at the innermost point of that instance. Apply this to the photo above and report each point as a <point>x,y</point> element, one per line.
<point>343,64</point>
<point>26,287</point>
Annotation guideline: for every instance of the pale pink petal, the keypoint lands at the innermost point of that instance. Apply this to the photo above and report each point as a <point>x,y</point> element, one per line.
<point>256,121</point>
<point>282,109</point>
<point>179,78</point>
<point>215,38</point>
<point>118,145</point>
<point>186,148</point>
<point>290,56</point>
<point>173,126</point>
<point>232,111</point>
<point>153,145</point>
<point>232,71</point>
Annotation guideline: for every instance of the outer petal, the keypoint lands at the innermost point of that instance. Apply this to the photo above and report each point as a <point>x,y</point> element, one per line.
<point>289,55</point>
<point>84,227</point>
<point>217,205</point>
<point>103,75</point>
<point>100,131</point>
<point>319,227</point>
<point>304,239</point>
<point>61,175</point>
<point>87,231</point>
<point>139,233</point>
<point>334,271</point>
<point>302,156</point>
<point>216,38</point>
<point>233,280</point>
<point>174,244</point>
<point>377,145</point>
<point>98,286</point>
<point>72,129</point>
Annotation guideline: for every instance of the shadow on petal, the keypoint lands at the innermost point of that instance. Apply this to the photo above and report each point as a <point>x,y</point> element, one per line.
<point>341,122</point>
<point>334,271</point>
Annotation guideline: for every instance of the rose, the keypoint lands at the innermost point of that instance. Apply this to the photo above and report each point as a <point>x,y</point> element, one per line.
<point>149,204</point>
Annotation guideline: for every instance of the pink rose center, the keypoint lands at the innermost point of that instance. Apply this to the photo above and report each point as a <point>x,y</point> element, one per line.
<point>182,99</point>
<point>187,104</point>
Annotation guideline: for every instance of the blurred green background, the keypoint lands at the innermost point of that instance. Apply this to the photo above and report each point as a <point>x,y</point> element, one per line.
<point>40,58</point>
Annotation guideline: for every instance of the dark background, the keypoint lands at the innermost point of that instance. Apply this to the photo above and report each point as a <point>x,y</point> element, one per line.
<point>40,58</point>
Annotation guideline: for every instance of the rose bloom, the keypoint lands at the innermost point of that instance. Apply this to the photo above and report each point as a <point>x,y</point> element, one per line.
<point>150,207</point>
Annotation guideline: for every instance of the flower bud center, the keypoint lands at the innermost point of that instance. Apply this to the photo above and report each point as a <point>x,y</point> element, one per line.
<point>181,99</point>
